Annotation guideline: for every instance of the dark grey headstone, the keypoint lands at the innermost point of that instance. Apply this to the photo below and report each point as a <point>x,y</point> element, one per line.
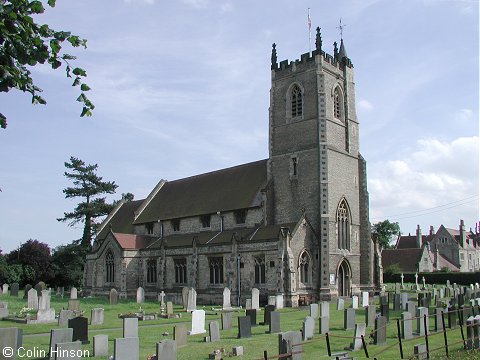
<point>14,290</point>
<point>385,311</point>
<point>452,317</point>
<point>214,331</point>
<point>244,327</point>
<point>253,315</point>
<point>476,332</point>
<point>266,314</point>
<point>469,325</point>
<point>226,320</point>
<point>348,319</point>
<point>166,350</point>
<point>26,290</point>
<point>397,303</point>
<point>274,324</point>
<point>380,335</point>
<point>80,329</point>
<point>126,348</point>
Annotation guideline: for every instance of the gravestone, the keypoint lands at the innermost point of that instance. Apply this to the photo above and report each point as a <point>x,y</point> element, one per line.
<point>255,299</point>
<point>59,336</point>
<point>185,297</point>
<point>313,310</point>
<point>198,322</point>
<point>100,345</point>
<point>40,286</point>
<point>96,317</point>
<point>380,335</point>
<point>5,289</point>
<point>370,313</point>
<point>476,332</point>
<point>404,300</point>
<point>26,290</point>
<point>113,297</point>
<point>325,308</point>
<point>248,303</point>
<point>169,308</point>
<point>397,288</point>
<point>290,343</point>
<point>14,290</point>
<point>279,302</point>
<point>274,323</point>
<point>420,350</point>
<point>180,335</point>
<point>348,319</point>
<point>166,350</point>
<point>397,302</point>
<point>272,299</point>
<point>323,324</point>
<point>385,311</point>
<point>421,311</point>
<point>452,317</point>
<point>266,314</point>
<point>61,291</point>
<point>64,316</point>
<point>73,293</point>
<point>10,338</point>
<point>140,295</point>
<point>68,351</point>
<point>355,302</point>
<point>161,298</point>
<point>126,348</point>
<point>308,328</point>
<point>438,319</point>
<point>80,329</point>
<point>253,315</point>
<point>32,302</point>
<point>469,324</point>
<point>244,327</point>
<point>357,341</point>
<point>44,313</point>
<point>340,304</point>
<point>44,300</point>
<point>191,300</point>
<point>226,299</point>
<point>214,331</point>
<point>226,320</point>
<point>74,304</point>
<point>407,332</point>
<point>130,327</point>
<point>412,308</point>
<point>365,299</point>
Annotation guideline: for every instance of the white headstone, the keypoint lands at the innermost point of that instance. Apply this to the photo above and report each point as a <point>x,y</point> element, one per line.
<point>198,322</point>
<point>140,295</point>
<point>255,299</point>
<point>355,302</point>
<point>73,293</point>
<point>365,298</point>
<point>226,299</point>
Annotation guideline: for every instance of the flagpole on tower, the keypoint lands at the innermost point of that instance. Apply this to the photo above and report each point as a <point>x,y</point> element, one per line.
<point>309,22</point>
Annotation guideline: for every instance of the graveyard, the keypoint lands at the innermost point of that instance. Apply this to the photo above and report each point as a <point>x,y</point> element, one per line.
<point>120,327</point>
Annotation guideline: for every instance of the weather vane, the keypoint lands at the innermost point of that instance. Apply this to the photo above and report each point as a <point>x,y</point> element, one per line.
<point>341,27</point>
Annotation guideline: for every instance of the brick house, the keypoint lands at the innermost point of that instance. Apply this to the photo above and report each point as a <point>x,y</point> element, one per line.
<point>295,224</point>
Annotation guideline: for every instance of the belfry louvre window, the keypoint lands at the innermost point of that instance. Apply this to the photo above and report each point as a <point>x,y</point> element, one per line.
<point>338,104</point>
<point>216,270</point>
<point>260,270</point>
<point>343,225</point>
<point>180,270</point>
<point>110,268</point>
<point>151,271</point>
<point>296,101</point>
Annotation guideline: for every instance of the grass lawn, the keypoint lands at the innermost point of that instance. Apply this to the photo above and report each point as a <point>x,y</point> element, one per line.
<point>150,332</point>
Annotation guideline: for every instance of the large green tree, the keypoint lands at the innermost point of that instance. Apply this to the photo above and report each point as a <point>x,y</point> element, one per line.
<point>24,43</point>
<point>90,187</point>
<point>384,232</point>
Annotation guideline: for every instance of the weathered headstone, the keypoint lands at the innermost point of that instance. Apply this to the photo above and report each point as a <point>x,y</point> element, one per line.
<point>370,313</point>
<point>100,345</point>
<point>4,310</point>
<point>161,298</point>
<point>412,308</point>
<point>59,336</point>
<point>274,324</point>
<point>44,300</point>
<point>10,338</point>
<point>404,300</point>
<point>438,319</point>
<point>113,297</point>
<point>5,289</point>
<point>380,335</point>
<point>214,331</point>
<point>340,304</point>
<point>365,299</point>
<point>308,328</point>
<point>198,322</point>
<point>469,324</point>
<point>73,293</point>
<point>420,350</point>
<point>421,312</point>
<point>191,300</point>
<point>313,310</point>
<point>226,299</point>
<point>140,295</point>
<point>253,315</point>
<point>166,350</point>
<point>452,317</point>
<point>244,327</point>
<point>226,320</point>
<point>169,308</point>
<point>185,297</point>
<point>97,315</point>
<point>180,335</point>
<point>68,351</point>
<point>325,308</point>
<point>476,332</point>
<point>255,299</point>
<point>14,290</point>
<point>355,302</point>
<point>74,304</point>
<point>348,319</point>
<point>126,348</point>
<point>64,316</point>
<point>26,290</point>
<point>323,324</point>
<point>407,332</point>
<point>357,337</point>
<point>130,327</point>
<point>397,304</point>
<point>290,343</point>
<point>248,303</point>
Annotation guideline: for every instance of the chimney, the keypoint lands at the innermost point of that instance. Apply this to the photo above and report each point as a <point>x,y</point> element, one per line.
<point>432,232</point>
<point>462,233</point>
<point>419,236</point>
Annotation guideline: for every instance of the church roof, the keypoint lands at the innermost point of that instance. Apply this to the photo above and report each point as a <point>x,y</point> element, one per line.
<point>122,220</point>
<point>132,241</point>
<point>222,190</point>
<point>407,259</point>
<point>407,242</point>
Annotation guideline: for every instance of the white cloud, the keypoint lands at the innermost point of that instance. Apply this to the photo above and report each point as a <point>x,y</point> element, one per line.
<point>196,4</point>
<point>419,187</point>
<point>227,7</point>
<point>365,105</point>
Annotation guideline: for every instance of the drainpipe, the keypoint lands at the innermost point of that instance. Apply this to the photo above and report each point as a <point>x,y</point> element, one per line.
<point>238,281</point>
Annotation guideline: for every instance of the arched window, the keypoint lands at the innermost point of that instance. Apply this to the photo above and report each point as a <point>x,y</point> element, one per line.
<point>110,268</point>
<point>338,112</point>
<point>296,101</point>
<point>180,265</point>
<point>305,266</point>
<point>152,271</point>
<point>343,225</point>
<point>216,270</point>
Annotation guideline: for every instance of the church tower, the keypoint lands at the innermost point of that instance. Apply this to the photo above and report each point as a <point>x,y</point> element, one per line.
<point>315,168</point>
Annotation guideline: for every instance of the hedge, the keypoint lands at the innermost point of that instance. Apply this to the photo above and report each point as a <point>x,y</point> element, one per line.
<point>461,278</point>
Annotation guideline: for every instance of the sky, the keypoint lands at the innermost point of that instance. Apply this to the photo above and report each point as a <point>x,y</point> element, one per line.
<point>182,88</point>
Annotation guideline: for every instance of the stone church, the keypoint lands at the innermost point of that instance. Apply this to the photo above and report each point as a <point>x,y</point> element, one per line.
<point>295,225</point>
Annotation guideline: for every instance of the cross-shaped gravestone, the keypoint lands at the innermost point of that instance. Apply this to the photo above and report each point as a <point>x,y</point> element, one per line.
<point>423,280</point>
<point>401,277</point>
<point>162,298</point>
<point>416,282</point>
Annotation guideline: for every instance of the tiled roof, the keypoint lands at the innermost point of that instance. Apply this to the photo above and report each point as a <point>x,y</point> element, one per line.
<point>407,242</point>
<point>443,262</point>
<point>134,242</point>
<point>223,190</point>
<point>407,259</point>
<point>122,220</point>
